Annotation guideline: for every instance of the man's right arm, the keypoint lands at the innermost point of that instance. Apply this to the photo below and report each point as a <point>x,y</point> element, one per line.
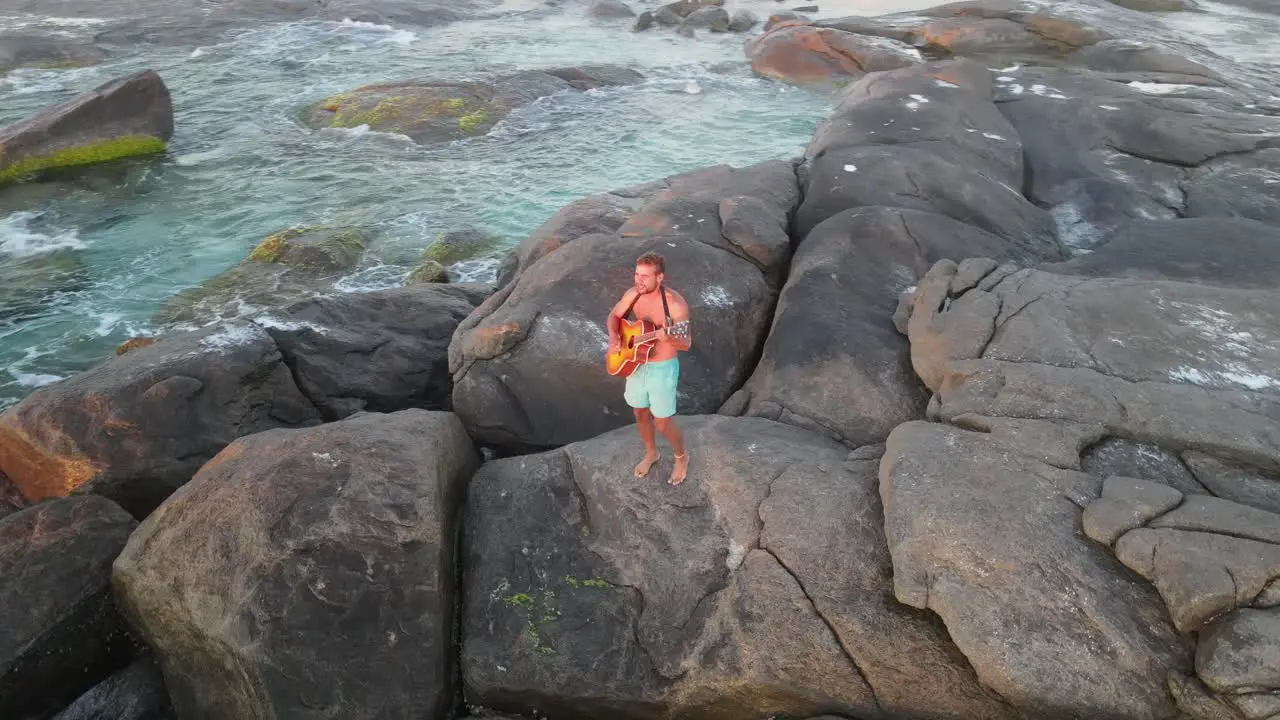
<point>614,321</point>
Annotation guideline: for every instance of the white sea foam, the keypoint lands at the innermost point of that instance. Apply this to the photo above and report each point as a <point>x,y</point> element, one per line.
<point>19,239</point>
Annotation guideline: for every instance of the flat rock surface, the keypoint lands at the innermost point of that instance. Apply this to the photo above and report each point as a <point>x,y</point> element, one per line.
<point>758,587</point>
<point>1163,392</point>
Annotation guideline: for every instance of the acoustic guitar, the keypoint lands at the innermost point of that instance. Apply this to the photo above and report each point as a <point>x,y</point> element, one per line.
<point>636,340</point>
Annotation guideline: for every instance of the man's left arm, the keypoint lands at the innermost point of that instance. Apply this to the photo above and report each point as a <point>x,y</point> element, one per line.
<point>680,314</point>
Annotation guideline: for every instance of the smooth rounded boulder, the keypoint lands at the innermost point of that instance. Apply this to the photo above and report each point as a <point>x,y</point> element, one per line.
<point>380,351</point>
<point>833,361</point>
<point>308,572</point>
<point>529,364</point>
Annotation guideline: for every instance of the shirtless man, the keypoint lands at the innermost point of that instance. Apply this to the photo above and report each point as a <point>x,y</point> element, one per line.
<point>651,389</point>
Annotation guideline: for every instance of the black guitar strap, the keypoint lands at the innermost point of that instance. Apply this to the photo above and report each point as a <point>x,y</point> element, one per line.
<point>666,311</point>
<point>631,306</point>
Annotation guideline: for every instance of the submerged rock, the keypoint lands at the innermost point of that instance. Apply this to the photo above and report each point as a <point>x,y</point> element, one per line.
<point>439,111</point>
<point>22,50</point>
<point>308,569</point>
<point>128,116</point>
<point>462,244</point>
<point>283,268</point>
<point>26,282</point>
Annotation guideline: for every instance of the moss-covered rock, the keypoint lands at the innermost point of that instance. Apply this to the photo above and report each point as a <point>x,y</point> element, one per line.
<point>312,249</point>
<point>440,111</point>
<point>129,116</point>
<point>282,268</point>
<point>426,112</point>
<point>429,271</point>
<point>461,244</point>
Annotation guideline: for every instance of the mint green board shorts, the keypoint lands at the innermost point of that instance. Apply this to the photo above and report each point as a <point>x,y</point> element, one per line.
<point>653,386</point>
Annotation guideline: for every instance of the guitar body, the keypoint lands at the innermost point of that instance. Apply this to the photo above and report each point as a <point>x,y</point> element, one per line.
<point>633,350</point>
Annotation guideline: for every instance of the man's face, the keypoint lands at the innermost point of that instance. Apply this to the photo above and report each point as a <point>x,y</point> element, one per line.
<point>647,278</point>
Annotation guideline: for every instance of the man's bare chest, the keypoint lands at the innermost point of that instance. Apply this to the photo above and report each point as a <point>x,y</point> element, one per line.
<point>650,308</point>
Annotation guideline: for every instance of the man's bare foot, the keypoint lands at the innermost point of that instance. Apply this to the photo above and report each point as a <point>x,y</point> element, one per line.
<point>650,458</point>
<point>680,469</point>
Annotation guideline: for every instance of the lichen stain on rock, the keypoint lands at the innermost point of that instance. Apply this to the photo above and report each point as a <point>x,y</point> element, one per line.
<point>106,150</point>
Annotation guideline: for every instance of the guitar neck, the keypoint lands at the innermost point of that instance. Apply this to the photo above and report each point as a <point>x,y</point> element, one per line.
<point>677,330</point>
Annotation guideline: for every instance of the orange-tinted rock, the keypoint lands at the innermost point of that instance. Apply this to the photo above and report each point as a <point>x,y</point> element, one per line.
<point>801,53</point>
<point>137,426</point>
<point>134,343</point>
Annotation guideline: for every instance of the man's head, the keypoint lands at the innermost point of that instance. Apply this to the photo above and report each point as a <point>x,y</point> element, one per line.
<point>650,268</point>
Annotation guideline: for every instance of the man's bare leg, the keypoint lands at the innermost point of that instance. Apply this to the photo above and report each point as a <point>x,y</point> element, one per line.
<point>644,423</point>
<point>680,469</point>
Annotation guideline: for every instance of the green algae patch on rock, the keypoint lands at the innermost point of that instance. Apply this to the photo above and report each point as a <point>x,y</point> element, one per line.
<point>98,152</point>
<point>424,112</point>
<point>127,117</point>
<point>472,122</point>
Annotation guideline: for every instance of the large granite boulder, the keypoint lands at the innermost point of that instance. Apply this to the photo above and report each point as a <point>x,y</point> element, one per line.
<point>833,361</point>
<point>59,630</point>
<point>758,588</point>
<point>986,538</point>
<point>439,111</point>
<point>137,426</point>
<point>131,115</point>
<point>308,572</point>
<point>380,351</point>
<point>924,138</point>
<point>528,364</point>
<point>1151,405</point>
